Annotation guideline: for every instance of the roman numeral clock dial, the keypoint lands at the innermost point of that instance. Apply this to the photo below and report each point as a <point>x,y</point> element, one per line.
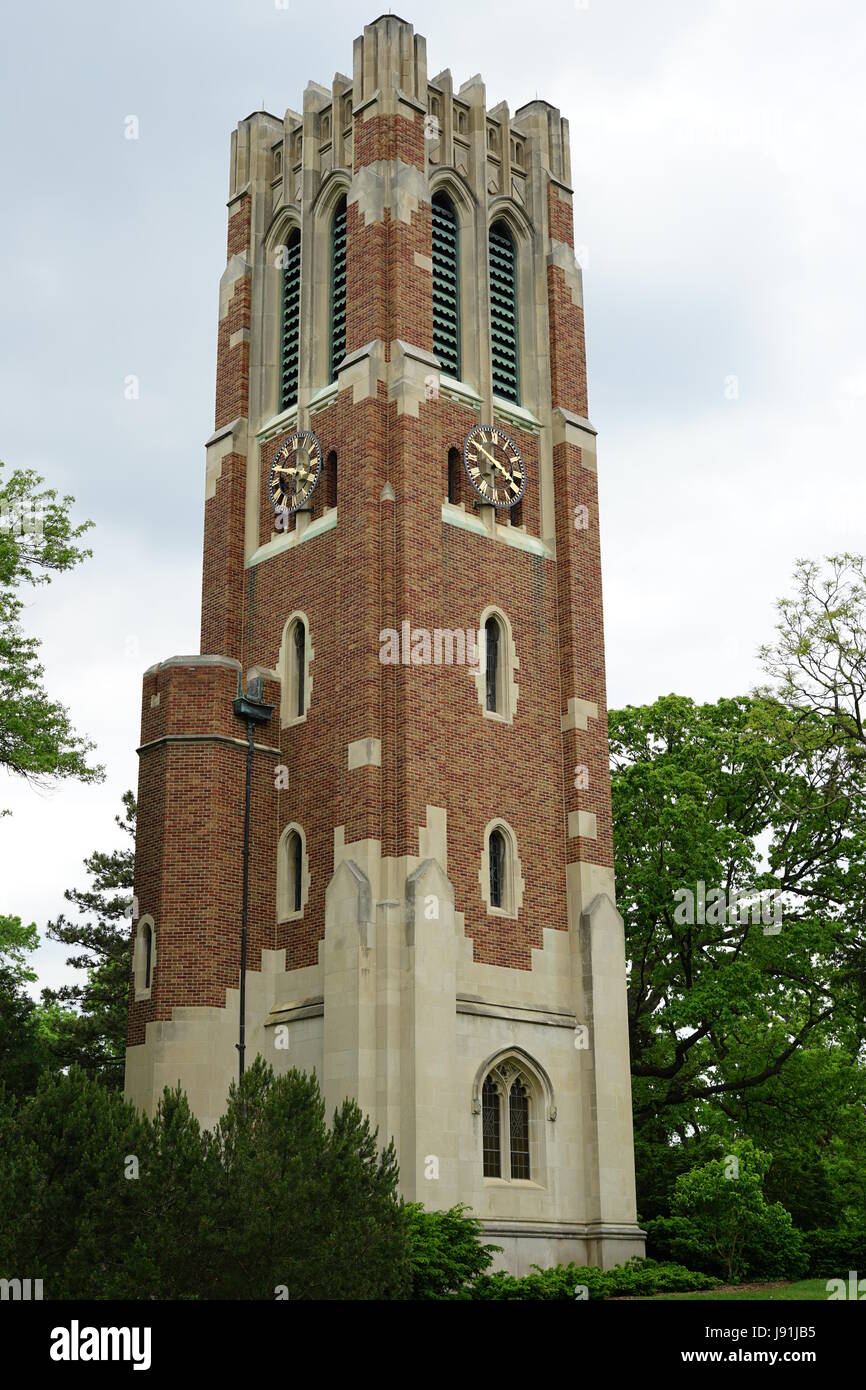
<point>295,472</point>
<point>494,466</point>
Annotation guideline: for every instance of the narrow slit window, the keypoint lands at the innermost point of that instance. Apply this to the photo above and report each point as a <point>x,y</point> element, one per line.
<point>332,479</point>
<point>453,473</point>
<point>300,665</point>
<point>148,955</point>
<point>491,645</point>
<point>296,863</point>
<point>497,868</point>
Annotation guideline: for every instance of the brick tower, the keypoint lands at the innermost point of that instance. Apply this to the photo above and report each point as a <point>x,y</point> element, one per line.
<point>401,542</point>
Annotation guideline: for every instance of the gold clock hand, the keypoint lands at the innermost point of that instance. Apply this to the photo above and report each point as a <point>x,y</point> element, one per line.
<point>494,461</point>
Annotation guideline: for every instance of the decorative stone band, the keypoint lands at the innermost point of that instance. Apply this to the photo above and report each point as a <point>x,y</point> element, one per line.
<point>206,738</point>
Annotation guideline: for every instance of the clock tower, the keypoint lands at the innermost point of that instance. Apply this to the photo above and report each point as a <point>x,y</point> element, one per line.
<point>401,555</point>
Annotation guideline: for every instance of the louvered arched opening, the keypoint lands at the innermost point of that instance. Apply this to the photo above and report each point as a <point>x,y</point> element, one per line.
<point>290,322</point>
<point>338,287</point>
<point>504,349</point>
<point>446,285</point>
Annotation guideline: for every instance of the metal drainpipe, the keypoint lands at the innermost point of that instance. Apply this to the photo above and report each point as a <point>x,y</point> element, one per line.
<point>250,708</point>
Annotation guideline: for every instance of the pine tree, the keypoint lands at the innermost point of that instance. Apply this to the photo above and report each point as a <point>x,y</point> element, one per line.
<point>95,1035</point>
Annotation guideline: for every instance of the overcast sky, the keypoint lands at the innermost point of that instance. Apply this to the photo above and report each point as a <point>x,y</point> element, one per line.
<point>718,157</point>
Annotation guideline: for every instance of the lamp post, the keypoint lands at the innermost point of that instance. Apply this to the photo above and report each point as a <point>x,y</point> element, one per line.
<point>253,711</point>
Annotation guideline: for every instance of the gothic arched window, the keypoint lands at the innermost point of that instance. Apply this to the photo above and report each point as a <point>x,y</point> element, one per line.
<point>290,322</point>
<point>506,1148</point>
<point>446,285</point>
<point>497,852</point>
<point>148,954</point>
<point>492,645</point>
<point>296,655</point>
<point>144,958</point>
<point>299,657</point>
<point>295,870</point>
<point>338,288</point>
<point>504,348</point>
<point>293,873</point>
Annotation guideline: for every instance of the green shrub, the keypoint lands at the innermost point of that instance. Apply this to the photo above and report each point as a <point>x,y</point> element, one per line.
<point>562,1282</point>
<point>721,1222</point>
<point>446,1250</point>
<point>833,1253</point>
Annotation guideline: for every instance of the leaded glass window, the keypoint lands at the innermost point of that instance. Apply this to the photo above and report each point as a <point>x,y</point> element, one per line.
<point>490,1129</point>
<point>518,1124</point>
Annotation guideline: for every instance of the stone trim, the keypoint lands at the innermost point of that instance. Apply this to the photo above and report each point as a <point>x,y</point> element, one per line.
<point>158,666</point>
<point>582,825</point>
<point>455,514</point>
<point>290,1013</point>
<point>388,184</point>
<point>205,738</point>
<point>514,1013</point>
<point>365,752</point>
<point>563,258</point>
<point>231,439</point>
<point>579,713</point>
<point>290,539</point>
<point>285,422</point>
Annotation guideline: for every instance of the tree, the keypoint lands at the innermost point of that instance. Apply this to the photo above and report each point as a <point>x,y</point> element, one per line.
<point>447,1251</point>
<point>818,660</point>
<point>95,1035</point>
<point>721,1221</point>
<point>747,797</point>
<point>37,540</point>
<point>100,1202</point>
<point>24,1040</point>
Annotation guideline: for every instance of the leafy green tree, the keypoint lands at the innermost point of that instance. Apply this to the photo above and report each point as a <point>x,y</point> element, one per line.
<point>94,1034</point>
<point>37,540</point>
<point>447,1251</point>
<point>28,1031</point>
<point>747,796</point>
<point>818,661</point>
<point>722,1222</point>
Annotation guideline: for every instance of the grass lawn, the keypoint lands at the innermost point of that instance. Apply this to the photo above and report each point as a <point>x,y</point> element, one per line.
<point>806,1289</point>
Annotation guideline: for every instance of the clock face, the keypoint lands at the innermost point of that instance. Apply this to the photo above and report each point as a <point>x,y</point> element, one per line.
<point>494,465</point>
<point>295,472</point>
